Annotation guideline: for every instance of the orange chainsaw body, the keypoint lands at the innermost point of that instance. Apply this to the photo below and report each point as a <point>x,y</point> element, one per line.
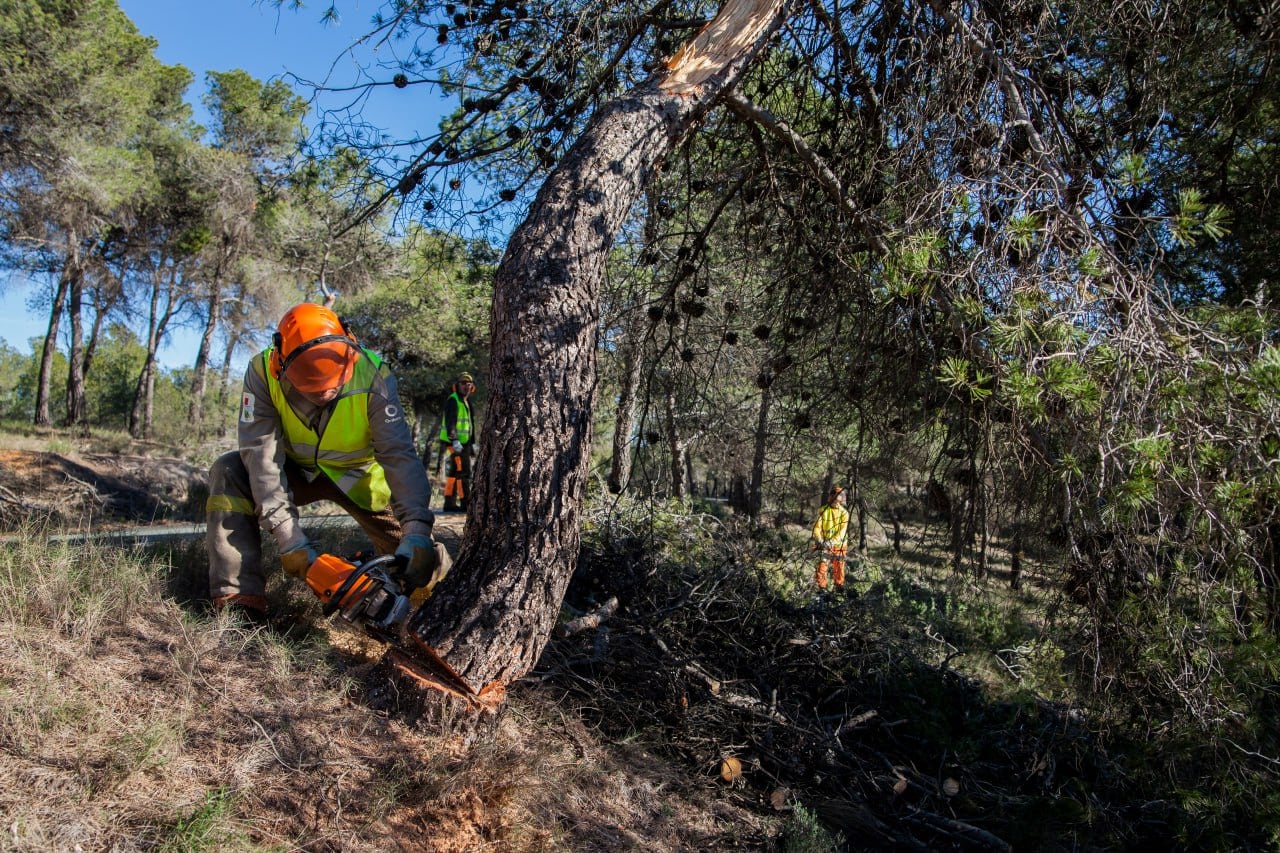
<point>327,575</point>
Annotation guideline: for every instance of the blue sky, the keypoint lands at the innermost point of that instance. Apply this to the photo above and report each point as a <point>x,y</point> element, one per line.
<point>220,35</point>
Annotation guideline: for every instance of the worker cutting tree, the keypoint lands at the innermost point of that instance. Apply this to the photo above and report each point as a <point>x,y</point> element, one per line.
<point>320,419</point>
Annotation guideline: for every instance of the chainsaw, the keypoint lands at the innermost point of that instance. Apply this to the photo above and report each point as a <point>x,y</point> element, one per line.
<point>366,595</point>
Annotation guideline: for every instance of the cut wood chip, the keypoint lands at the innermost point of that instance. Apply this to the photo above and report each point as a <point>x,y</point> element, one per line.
<point>730,769</point>
<point>950,787</point>
<point>778,799</point>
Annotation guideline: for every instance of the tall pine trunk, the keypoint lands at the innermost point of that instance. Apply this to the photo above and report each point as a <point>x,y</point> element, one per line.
<point>141,416</point>
<point>44,381</point>
<point>224,373</point>
<point>493,615</point>
<point>624,424</point>
<point>755,489</point>
<point>675,446</point>
<point>200,374</point>
<point>77,408</point>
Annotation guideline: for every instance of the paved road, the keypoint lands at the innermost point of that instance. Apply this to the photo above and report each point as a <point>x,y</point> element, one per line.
<point>448,530</point>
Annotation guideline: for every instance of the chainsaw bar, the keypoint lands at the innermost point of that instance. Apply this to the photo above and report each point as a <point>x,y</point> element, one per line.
<point>429,660</point>
<point>382,616</point>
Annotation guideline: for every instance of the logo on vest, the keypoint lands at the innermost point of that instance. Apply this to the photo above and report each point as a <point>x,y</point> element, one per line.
<point>393,412</point>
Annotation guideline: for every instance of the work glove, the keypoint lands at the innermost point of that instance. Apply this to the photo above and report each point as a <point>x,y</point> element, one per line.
<point>442,565</point>
<point>298,559</point>
<point>419,553</point>
<point>457,447</point>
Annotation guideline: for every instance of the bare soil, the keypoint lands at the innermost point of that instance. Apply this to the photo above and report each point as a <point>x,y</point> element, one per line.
<point>97,489</point>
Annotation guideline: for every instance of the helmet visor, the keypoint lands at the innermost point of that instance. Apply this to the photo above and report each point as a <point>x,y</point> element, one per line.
<point>322,367</point>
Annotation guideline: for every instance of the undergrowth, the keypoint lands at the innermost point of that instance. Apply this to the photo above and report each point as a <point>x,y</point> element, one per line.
<point>927,703</point>
<point>926,710</point>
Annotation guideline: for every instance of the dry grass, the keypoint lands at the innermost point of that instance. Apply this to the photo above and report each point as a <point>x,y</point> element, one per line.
<point>140,725</point>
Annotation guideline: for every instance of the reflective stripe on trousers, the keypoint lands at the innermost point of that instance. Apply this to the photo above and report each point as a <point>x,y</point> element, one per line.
<point>233,537</point>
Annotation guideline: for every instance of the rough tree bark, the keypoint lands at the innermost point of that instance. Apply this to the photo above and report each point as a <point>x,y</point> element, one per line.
<point>493,615</point>
<point>755,493</point>
<point>675,445</point>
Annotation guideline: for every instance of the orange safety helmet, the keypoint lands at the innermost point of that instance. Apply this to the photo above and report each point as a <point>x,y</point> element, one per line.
<point>313,349</point>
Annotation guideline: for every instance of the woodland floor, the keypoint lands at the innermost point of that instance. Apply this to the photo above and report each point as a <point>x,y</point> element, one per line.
<point>711,712</point>
<point>226,736</point>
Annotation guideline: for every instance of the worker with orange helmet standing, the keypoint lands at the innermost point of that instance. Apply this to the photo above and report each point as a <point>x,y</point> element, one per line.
<point>830,536</point>
<point>320,419</point>
<point>457,438</point>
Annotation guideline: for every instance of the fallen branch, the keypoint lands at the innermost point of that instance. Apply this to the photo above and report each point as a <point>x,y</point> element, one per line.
<point>589,621</point>
<point>958,829</point>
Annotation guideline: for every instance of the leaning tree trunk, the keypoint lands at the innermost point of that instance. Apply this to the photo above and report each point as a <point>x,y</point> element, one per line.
<point>493,615</point>
<point>224,377</point>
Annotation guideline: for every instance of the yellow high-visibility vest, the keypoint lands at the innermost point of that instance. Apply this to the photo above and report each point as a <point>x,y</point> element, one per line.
<point>832,526</point>
<point>344,453</point>
<point>464,419</point>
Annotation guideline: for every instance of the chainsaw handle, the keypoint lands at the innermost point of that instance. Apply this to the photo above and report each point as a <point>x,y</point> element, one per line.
<point>334,603</point>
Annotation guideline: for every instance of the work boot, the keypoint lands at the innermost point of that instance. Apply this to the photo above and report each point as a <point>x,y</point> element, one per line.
<point>450,504</point>
<point>250,608</point>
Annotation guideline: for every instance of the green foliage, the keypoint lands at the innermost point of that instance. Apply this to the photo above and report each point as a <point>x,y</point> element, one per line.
<point>804,833</point>
<point>432,322</point>
<point>907,272</point>
<point>1265,371</point>
<point>12,365</point>
<point>111,383</point>
<point>208,828</point>
<point>255,119</point>
<point>22,402</point>
<point>1023,230</point>
<point>961,375</point>
<point>109,387</point>
<point>1195,218</point>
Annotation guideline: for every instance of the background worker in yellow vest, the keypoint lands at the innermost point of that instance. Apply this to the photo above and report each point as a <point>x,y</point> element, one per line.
<point>830,536</point>
<point>320,419</point>
<point>457,434</point>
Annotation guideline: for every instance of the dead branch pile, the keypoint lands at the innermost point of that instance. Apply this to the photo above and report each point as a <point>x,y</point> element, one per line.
<point>825,707</point>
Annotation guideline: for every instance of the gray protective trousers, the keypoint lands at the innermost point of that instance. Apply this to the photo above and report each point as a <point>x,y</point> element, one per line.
<point>234,538</point>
